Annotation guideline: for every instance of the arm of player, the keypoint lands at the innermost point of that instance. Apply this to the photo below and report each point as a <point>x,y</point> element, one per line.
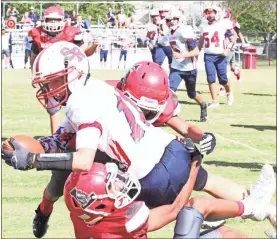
<point>200,42</point>
<point>185,129</point>
<point>92,48</point>
<point>161,216</point>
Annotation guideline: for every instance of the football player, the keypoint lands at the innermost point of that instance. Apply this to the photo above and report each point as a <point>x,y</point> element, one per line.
<point>236,26</point>
<point>185,50</point>
<point>212,39</point>
<point>101,117</point>
<point>101,204</point>
<point>157,36</point>
<point>53,29</point>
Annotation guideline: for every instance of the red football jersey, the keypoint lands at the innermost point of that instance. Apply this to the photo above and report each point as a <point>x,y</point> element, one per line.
<point>41,39</point>
<point>128,222</point>
<point>172,107</point>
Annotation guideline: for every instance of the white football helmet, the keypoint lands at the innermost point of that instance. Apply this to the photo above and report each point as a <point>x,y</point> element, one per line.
<point>216,9</point>
<point>174,15</point>
<point>59,70</point>
<point>154,12</point>
<point>53,19</point>
<point>164,9</point>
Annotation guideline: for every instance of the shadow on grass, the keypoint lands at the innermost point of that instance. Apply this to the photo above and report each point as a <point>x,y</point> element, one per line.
<point>258,94</point>
<point>252,166</point>
<point>257,127</point>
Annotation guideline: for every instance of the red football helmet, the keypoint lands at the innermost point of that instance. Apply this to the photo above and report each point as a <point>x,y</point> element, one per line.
<point>53,19</point>
<point>146,83</point>
<point>96,193</point>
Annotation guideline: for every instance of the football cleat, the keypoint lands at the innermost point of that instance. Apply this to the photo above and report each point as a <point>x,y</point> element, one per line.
<point>204,113</point>
<point>261,195</point>
<point>212,225</point>
<point>230,98</point>
<point>213,105</point>
<point>222,91</point>
<point>40,223</point>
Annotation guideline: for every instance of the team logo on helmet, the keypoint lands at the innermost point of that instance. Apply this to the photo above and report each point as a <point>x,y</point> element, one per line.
<point>83,198</point>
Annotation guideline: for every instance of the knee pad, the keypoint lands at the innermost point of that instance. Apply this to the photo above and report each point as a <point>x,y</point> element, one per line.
<point>188,223</point>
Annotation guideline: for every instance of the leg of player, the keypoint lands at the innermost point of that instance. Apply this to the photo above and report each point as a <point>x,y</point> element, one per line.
<point>221,66</point>
<point>125,58</point>
<point>51,194</point>
<point>174,79</point>
<point>190,78</point>
<point>215,186</point>
<point>211,78</point>
<point>120,57</point>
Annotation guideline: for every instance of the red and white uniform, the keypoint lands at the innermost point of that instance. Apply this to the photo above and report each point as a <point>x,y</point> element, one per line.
<point>163,31</point>
<point>41,39</point>
<point>128,222</point>
<point>104,118</point>
<point>171,109</point>
<point>152,31</point>
<point>179,42</point>
<point>214,36</point>
<point>104,44</point>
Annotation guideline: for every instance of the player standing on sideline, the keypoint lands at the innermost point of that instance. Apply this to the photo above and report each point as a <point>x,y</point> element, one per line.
<point>104,45</point>
<point>212,39</point>
<point>124,43</point>
<point>184,48</point>
<point>52,30</point>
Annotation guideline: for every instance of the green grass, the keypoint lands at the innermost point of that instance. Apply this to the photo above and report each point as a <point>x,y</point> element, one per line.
<point>250,122</point>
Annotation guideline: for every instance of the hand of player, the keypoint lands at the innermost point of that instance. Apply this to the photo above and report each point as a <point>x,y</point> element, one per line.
<point>20,158</point>
<point>194,152</point>
<point>207,144</point>
<point>150,46</point>
<point>225,52</point>
<point>177,55</point>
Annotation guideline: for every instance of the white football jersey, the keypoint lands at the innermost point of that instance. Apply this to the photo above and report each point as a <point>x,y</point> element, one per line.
<point>105,119</point>
<point>214,36</point>
<point>178,40</point>
<point>152,32</point>
<point>163,31</point>
<point>104,44</point>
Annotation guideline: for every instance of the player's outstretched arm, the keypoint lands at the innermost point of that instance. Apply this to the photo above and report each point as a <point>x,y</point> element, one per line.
<point>161,216</point>
<point>185,129</point>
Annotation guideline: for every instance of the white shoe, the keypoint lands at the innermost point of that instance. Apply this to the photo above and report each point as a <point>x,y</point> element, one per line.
<point>213,105</point>
<point>230,98</point>
<point>211,225</point>
<point>257,205</point>
<point>222,91</point>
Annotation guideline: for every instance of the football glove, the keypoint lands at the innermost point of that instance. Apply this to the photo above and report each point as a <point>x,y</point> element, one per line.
<point>194,152</point>
<point>207,144</point>
<point>20,158</point>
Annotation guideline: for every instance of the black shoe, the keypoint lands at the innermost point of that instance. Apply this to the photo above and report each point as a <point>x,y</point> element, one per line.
<point>40,223</point>
<point>204,113</point>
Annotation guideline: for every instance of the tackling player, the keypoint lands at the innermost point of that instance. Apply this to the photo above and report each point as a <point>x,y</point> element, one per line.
<point>215,51</point>
<point>184,49</point>
<point>95,198</point>
<point>52,30</point>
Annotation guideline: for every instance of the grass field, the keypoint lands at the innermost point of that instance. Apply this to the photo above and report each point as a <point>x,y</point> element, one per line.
<point>246,139</point>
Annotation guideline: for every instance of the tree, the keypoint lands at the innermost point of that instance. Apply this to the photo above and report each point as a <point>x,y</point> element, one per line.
<point>253,15</point>
<point>96,10</point>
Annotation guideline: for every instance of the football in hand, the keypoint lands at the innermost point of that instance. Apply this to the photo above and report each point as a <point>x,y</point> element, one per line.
<point>33,145</point>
